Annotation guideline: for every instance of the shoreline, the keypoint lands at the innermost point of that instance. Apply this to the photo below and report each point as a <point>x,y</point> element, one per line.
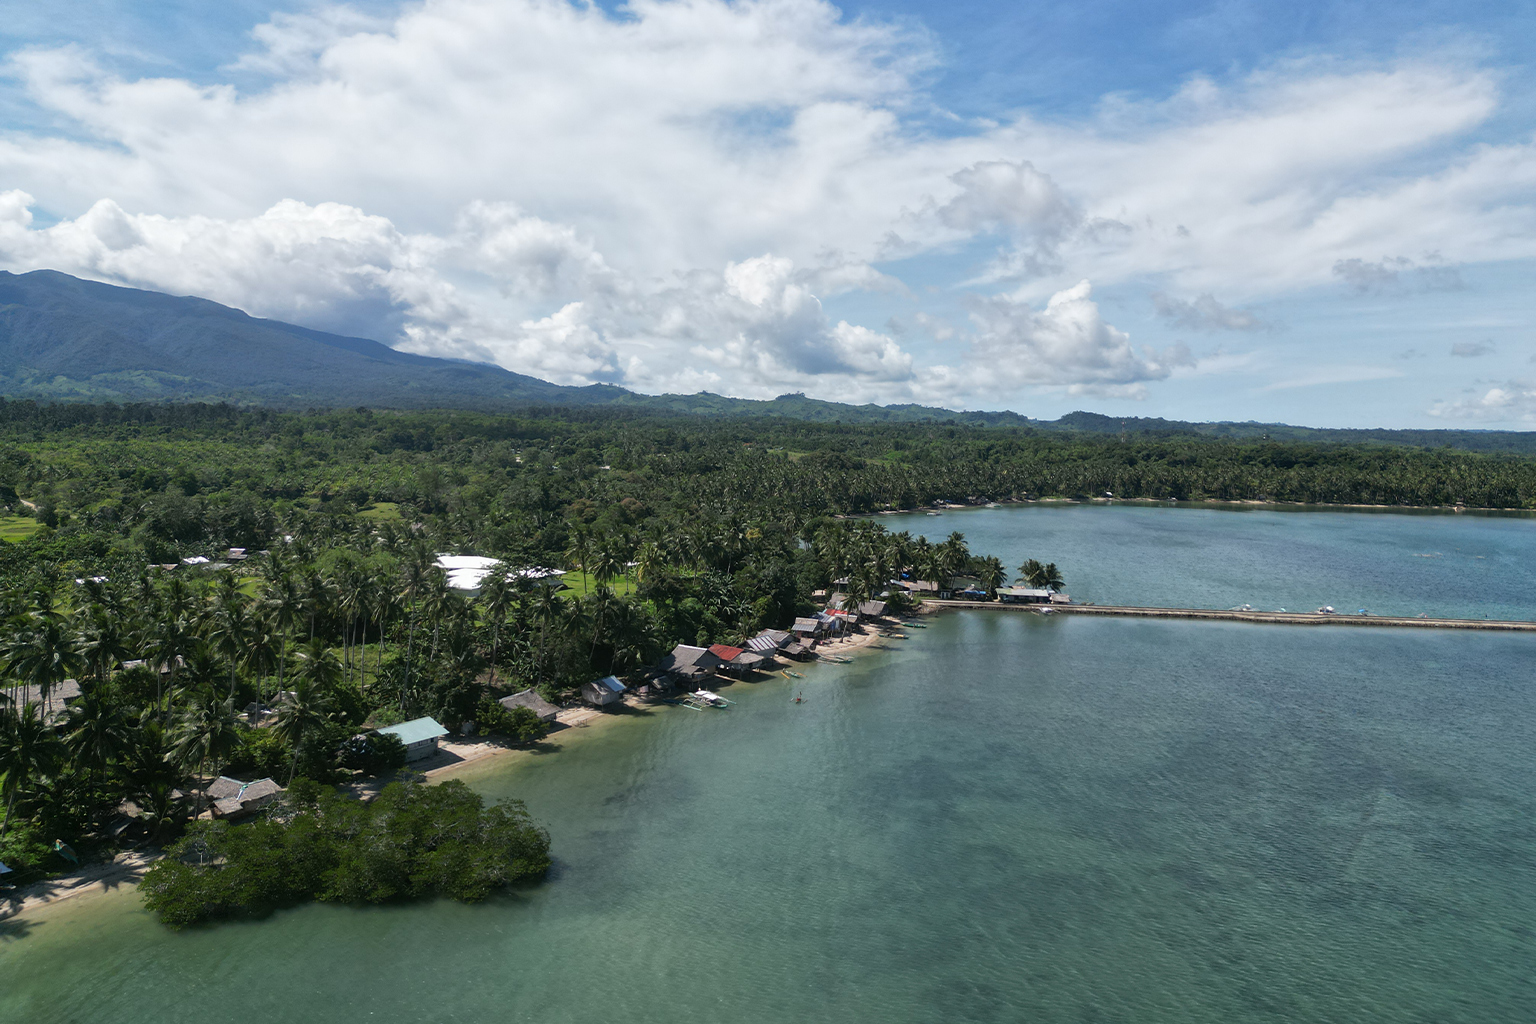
<point>454,758</point>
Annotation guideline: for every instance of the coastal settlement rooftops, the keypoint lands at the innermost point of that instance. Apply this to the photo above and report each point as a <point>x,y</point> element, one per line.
<point>533,702</point>
<point>232,798</point>
<point>420,736</point>
<point>58,697</point>
<point>770,640</point>
<point>738,662</point>
<point>688,662</point>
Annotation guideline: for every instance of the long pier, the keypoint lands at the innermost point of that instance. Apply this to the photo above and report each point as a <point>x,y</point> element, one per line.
<point>1271,618</point>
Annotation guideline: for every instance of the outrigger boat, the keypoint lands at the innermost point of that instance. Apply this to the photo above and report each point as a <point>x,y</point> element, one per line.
<point>710,698</point>
<point>792,675</point>
<point>914,625</point>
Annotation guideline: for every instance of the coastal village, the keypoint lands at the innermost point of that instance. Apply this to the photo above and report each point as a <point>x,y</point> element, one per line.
<point>688,676</point>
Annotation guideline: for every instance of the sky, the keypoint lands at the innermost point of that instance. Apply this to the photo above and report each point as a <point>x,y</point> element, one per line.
<point>1315,212</point>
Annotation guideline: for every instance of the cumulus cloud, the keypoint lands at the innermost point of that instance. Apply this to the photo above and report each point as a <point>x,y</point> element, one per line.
<point>1067,343</point>
<point>1205,314</point>
<point>1512,401</point>
<point>677,213</point>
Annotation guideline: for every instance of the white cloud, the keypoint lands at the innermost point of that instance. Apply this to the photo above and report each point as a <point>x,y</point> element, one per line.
<point>587,196</point>
<point>1066,344</point>
<point>1513,401</point>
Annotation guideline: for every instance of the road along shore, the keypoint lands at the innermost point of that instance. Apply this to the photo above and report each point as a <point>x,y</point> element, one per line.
<point>1271,618</point>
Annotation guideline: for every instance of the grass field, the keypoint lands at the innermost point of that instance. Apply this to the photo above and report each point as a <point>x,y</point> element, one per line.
<point>581,584</point>
<point>382,512</point>
<point>17,527</point>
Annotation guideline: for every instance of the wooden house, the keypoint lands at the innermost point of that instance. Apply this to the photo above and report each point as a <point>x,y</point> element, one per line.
<point>690,664</point>
<point>736,661</point>
<point>533,702</point>
<point>602,692</point>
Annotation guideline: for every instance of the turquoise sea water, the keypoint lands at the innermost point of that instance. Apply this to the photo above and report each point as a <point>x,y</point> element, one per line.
<point>1389,563</point>
<point>1005,818</point>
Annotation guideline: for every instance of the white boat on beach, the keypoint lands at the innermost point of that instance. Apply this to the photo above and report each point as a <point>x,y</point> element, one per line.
<point>711,698</point>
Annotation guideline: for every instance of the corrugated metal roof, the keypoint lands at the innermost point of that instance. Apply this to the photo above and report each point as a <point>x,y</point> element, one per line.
<point>610,683</point>
<point>416,730</point>
<point>725,652</point>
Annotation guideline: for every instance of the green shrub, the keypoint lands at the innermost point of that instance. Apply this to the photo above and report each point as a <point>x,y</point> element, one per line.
<point>413,842</point>
<point>519,724</point>
<point>373,753</point>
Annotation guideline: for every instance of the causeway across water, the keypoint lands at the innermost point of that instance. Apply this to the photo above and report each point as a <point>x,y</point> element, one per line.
<point>1278,618</point>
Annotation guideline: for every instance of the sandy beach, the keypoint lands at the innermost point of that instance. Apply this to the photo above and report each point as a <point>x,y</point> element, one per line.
<point>93,880</point>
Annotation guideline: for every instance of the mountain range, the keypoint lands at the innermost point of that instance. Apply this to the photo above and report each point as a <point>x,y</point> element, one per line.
<point>63,338</point>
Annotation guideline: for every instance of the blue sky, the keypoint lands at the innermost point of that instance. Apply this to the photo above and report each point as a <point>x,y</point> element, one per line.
<point>1315,212</point>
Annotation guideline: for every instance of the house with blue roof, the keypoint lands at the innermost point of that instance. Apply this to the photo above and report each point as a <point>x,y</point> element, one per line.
<point>420,736</point>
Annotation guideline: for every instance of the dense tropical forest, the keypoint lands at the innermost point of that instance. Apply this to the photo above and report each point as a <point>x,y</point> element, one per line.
<point>116,570</point>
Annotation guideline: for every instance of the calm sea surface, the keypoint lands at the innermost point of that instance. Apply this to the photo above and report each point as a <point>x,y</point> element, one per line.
<point>1397,563</point>
<point>1005,818</point>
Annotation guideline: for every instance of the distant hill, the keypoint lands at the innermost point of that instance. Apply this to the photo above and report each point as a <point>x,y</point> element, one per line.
<point>66,339</point>
<point>1513,441</point>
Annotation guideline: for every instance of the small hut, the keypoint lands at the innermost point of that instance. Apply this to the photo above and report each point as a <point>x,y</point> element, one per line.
<point>533,702</point>
<point>602,692</point>
<point>808,628</point>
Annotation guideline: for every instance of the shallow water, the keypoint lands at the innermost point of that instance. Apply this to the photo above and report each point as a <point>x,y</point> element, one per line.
<point>1447,565</point>
<point>1007,818</point>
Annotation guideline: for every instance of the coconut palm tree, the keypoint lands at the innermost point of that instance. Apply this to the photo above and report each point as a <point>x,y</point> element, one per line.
<point>992,575</point>
<point>496,597</point>
<point>29,750</point>
<point>205,732</point>
<point>308,705</point>
<point>285,603</point>
<point>579,554</point>
<point>1050,577</point>
<point>103,641</point>
<point>98,735</point>
<point>44,651</point>
<point>230,626</point>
